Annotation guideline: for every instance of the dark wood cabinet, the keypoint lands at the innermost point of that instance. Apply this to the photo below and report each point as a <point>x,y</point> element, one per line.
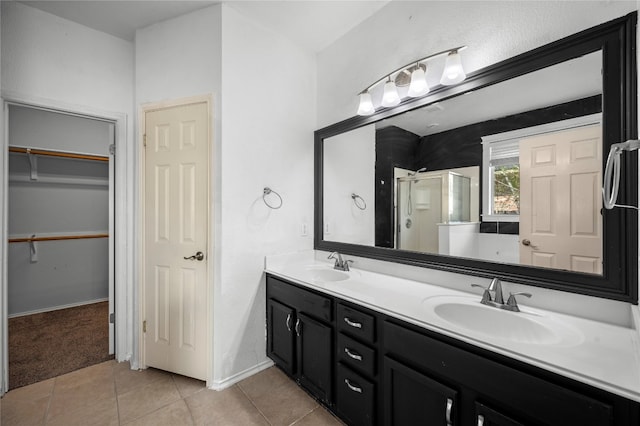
<point>314,356</point>
<point>355,397</point>
<point>410,397</point>
<point>280,320</point>
<point>357,370</point>
<point>300,336</point>
<point>372,369</point>
<point>486,416</point>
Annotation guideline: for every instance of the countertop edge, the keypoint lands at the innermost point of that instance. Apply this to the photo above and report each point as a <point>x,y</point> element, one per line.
<point>631,394</point>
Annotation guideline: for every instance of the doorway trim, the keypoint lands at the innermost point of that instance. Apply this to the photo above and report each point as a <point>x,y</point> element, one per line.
<point>123,211</point>
<point>143,109</point>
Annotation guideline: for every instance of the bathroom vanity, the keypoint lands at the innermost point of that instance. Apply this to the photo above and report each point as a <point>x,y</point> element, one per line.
<point>377,349</point>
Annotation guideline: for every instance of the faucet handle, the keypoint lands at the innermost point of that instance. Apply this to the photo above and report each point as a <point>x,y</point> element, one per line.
<point>338,259</point>
<point>486,296</point>
<point>345,264</point>
<point>511,302</point>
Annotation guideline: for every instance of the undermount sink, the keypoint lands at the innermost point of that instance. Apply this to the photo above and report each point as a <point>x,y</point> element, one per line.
<point>520,327</point>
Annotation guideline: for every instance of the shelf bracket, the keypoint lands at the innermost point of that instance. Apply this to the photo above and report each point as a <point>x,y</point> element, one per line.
<point>33,162</point>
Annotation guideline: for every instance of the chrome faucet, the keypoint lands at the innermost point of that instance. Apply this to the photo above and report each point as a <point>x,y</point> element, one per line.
<point>496,288</point>
<point>340,264</point>
<point>496,299</point>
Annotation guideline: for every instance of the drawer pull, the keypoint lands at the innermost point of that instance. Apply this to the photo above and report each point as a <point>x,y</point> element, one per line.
<point>352,387</point>
<point>353,355</point>
<point>298,327</point>
<point>480,420</point>
<point>289,322</point>
<point>448,412</point>
<point>352,323</point>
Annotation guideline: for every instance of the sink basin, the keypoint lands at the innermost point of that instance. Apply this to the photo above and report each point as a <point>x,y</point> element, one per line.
<point>520,327</point>
<point>325,274</point>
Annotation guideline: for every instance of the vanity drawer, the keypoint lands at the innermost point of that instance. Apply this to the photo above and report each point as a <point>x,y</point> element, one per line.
<point>355,397</point>
<point>356,323</point>
<point>305,301</point>
<point>356,355</point>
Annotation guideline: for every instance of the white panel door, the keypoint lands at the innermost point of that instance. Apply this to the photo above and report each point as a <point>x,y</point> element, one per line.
<point>176,230</point>
<point>560,202</point>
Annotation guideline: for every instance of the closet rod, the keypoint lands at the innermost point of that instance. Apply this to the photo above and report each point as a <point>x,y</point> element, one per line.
<point>57,237</point>
<point>58,154</point>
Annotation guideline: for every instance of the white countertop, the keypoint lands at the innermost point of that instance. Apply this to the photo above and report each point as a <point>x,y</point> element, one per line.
<point>603,355</point>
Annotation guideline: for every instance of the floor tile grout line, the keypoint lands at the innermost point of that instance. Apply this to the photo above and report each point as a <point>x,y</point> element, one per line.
<point>115,390</point>
<point>184,399</point>
<point>305,415</point>
<point>157,409</point>
<point>253,403</point>
<point>46,412</point>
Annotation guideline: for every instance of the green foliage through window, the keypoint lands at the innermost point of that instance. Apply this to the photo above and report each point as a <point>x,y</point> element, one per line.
<point>506,189</point>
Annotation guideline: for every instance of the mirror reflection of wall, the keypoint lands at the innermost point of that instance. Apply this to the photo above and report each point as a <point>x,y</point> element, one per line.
<point>349,169</point>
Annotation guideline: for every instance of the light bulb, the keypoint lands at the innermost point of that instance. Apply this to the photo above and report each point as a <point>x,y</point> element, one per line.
<point>453,72</point>
<point>418,86</point>
<point>366,105</point>
<point>390,97</point>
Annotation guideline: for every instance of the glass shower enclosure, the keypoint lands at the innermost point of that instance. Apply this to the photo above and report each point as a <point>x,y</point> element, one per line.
<point>426,200</point>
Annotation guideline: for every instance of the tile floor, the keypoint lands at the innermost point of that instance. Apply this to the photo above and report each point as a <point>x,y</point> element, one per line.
<point>112,394</point>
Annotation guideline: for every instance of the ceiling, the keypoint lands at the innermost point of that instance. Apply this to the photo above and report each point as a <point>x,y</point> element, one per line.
<point>312,24</point>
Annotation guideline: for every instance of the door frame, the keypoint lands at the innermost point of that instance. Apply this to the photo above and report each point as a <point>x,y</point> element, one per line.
<point>122,241</point>
<point>143,109</point>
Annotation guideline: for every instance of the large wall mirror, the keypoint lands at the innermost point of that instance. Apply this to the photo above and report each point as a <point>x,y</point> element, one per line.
<point>498,176</point>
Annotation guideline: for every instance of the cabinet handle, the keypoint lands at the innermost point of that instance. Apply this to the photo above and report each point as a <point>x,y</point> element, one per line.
<point>289,322</point>
<point>298,327</point>
<point>448,412</point>
<point>352,323</point>
<point>352,387</point>
<point>480,420</point>
<point>353,355</point>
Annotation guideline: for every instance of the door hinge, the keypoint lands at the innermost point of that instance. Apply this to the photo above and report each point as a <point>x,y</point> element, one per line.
<point>144,140</point>
<point>144,326</point>
<point>112,318</point>
<point>112,149</point>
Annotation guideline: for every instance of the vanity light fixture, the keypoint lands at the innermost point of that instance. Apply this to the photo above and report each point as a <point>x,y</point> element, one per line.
<point>418,86</point>
<point>413,75</point>
<point>390,97</point>
<point>453,72</point>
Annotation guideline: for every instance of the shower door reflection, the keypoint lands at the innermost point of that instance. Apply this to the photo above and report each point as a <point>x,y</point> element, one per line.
<point>425,201</point>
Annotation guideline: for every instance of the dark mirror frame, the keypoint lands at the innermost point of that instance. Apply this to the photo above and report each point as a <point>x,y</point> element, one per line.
<point>619,281</point>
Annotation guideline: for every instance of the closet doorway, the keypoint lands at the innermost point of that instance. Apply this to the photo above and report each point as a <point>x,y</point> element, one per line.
<point>60,252</point>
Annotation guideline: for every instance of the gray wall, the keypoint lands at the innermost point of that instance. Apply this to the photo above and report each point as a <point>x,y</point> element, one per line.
<point>70,197</point>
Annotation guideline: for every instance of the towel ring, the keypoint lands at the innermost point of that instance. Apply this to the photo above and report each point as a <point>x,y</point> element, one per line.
<point>268,191</point>
<point>359,201</point>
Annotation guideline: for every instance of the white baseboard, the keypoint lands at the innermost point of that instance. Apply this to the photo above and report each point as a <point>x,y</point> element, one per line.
<point>57,308</point>
<point>230,381</point>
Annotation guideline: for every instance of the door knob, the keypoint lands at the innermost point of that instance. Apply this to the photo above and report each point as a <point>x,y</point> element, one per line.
<point>198,256</point>
<point>527,243</point>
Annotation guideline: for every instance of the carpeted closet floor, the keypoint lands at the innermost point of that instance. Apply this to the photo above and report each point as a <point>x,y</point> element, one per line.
<point>49,344</point>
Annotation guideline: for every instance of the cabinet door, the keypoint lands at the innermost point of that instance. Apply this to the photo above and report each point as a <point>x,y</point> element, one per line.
<point>280,335</point>
<point>486,416</point>
<point>314,358</point>
<point>411,398</point>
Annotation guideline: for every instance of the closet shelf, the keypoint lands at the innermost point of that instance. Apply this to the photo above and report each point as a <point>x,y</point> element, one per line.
<point>57,237</point>
<point>58,154</point>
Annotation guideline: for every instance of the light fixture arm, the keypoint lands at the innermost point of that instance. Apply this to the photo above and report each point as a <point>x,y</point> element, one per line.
<point>410,64</point>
